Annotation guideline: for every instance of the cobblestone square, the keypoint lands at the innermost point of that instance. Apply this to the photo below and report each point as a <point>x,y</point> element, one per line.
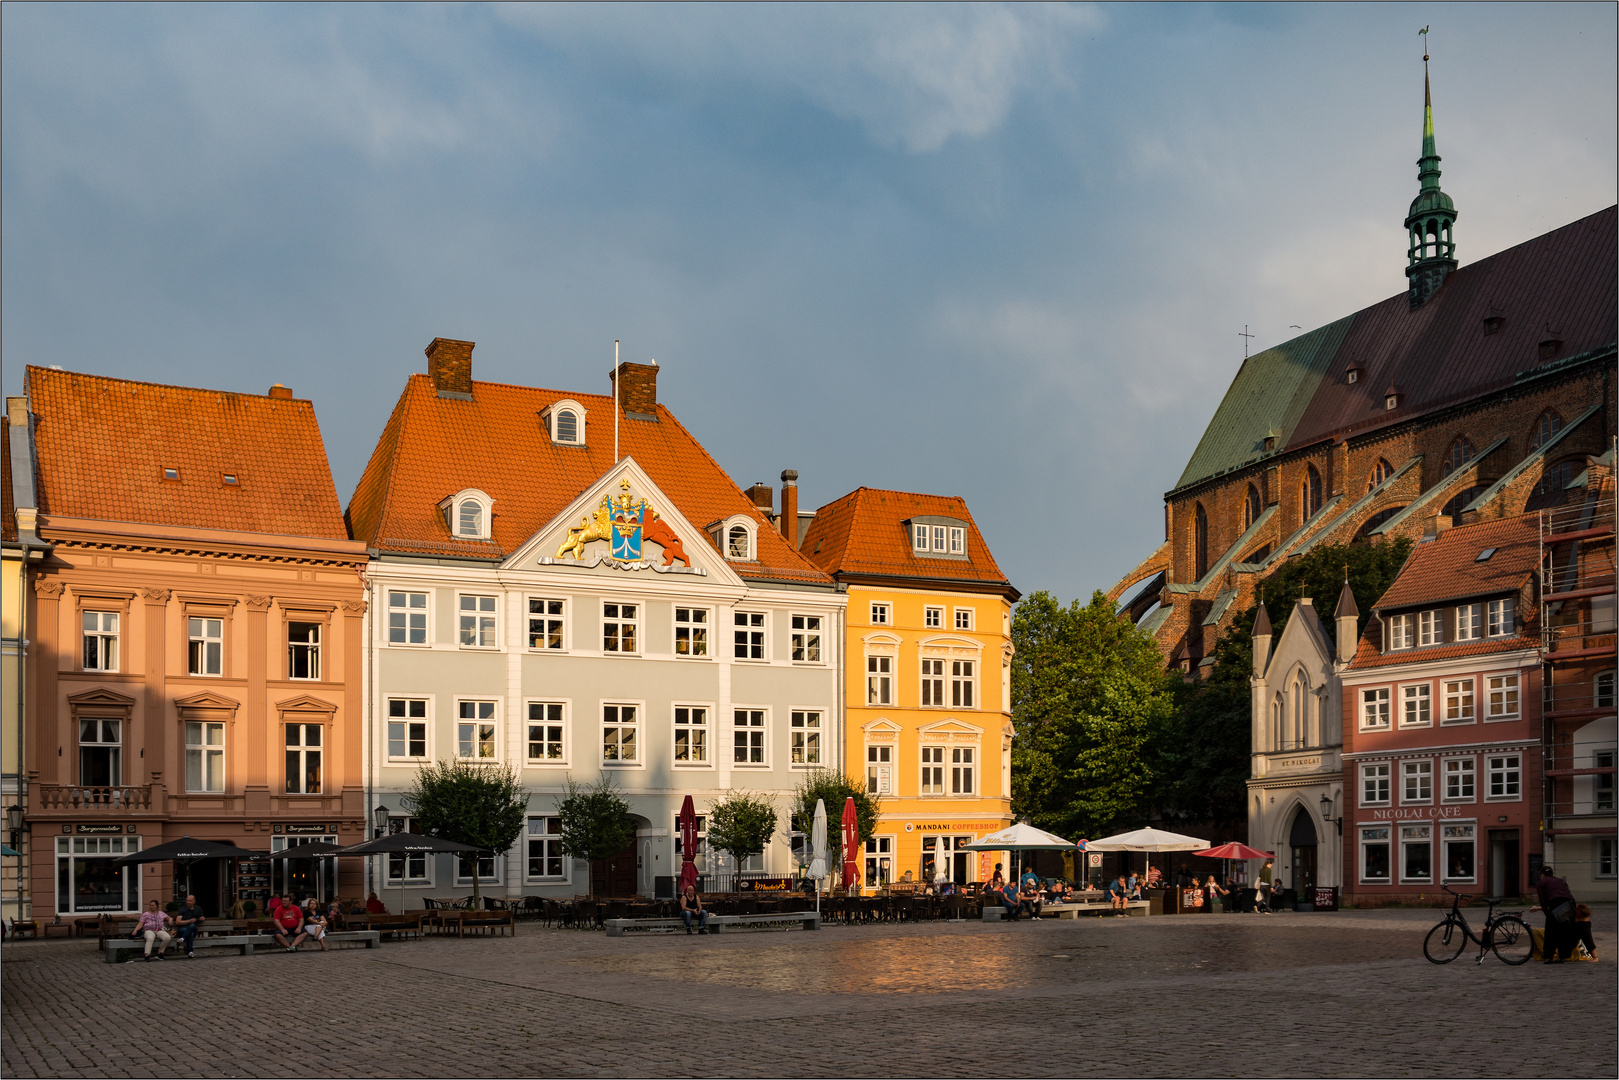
<point>1330,994</point>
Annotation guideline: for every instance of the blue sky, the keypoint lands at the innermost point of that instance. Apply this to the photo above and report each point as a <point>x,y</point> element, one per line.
<point>1002,253</point>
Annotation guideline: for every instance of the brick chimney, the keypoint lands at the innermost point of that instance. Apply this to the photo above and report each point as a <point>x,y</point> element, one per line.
<point>638,392</point>
<point>449,362</point>
<point>789,506</point>
<point>279,391</point>
<point>762,495</point>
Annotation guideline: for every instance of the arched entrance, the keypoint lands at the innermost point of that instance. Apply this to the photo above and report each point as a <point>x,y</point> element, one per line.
<point>1302,840</point>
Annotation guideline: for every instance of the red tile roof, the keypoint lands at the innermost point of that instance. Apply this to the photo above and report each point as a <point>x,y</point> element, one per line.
<point>433,447</point>
<point>864,533</point>
<point>102,446</point>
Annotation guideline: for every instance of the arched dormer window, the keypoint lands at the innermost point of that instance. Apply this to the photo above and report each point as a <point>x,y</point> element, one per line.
<point>1549,424</point>
<point>468,514</point>
<point>565,422</point>
<point>736,538</point>
<point>1201,540</point>
<point>1461,452</point>
<point>1380,472</point>
<point>1309,493</point>
<point>1250,509</point>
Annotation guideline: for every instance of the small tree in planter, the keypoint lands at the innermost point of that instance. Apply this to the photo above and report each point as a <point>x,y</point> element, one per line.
<point>741,825</point>
<point>481,805</point>
<point>595,822</point>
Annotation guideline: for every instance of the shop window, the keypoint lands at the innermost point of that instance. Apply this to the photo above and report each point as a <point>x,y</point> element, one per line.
<point>1459,852</point>
<point>87,882</point>
<point>1416,853</point>
<point>1374,855</point>
<point>486,866</point>
<point>879,860</point>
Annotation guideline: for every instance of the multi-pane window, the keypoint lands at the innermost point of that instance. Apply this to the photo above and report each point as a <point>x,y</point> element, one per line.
<point>469,519</point>
<point>1374,784</point>
<point>691,735</point>
<point>1418,781</point>
<point>964,618</point>
<point>961,770</point>
<point>1602,696</point>
<point>545,841</point>
<point>879,680</point>
<point>1416,852</point>
<point>1458,701</point>
<point>1602,783</point>
<point>1459,773</point>
<point>620,726</point>
<point>962,682</point>
<point>303,759</point>
<point>879,770</point>
<point>545,619</point>
<point>933,617</point>
<point>1505,778</point>
<point>101,641</point>
<point>1503,696</point>
<point>806,638</point>
<point>691,631</point>
<point>736,542</point>
<point>303,650</point>
<point>205,756</point>
<point>1501,617</point>
<point>1458,852</point>
<point>485,864</point>
<point>919,537</point>
<point>567,426</point>
<point>407,866</point>
<point>475,731</point>
<point>1469,622</point>
<point>206,655</point>
<point>1605,856</point>
<point>545,731</point>
<point>407,618</point>
<point>619,622</point>
<point>1374,708</point>
<point>879,614</point>
<point>748,736</point>
<point>958,541</point>
<point>478,622</point>
<point>805,731</point>
<point>932,681</point>
<point>1415,702</point>
<point>933,770</point>
<point>101,753</point>
<point>1431,628</point>
<point>939,532</point>
<point>1374,854</point>
<point>1401,630</point>
<point>749,635</point>
<point>407,728</point>
<point>879,860</point>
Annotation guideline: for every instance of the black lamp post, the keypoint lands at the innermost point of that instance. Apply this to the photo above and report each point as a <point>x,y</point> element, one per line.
<point>1326,813</point>
<point>379,821</point>
<point>14,824</point>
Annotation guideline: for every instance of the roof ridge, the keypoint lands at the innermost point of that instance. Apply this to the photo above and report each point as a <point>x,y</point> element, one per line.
<point>59,371</point>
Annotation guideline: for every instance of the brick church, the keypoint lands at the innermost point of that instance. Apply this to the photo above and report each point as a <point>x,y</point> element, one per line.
<point>1478,393</point>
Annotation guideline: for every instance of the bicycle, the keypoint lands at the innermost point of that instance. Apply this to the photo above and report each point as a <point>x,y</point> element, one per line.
<point>1505,934</point>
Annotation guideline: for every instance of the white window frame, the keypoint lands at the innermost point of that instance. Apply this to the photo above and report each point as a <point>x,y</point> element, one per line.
<point>933,680</point>
<point>564,707</point>
<point>1376,775</point>
<point>933,776</point>
<point>1375,708</point>
<point>964,762</point>
<point>1460,779</point>
<point>920,534</point>
<point>407,611</point>
<point>552,624</point>
<point>618,620</point>
<point>1510,770</point>
<point>105,637</point>
<point>553,416</point>
<point>882,614</point>
<point>1416,705</point>
<point>426,720</point>
<point>1510,688</point>
<point>477,721</point>
<point>99,847</point>
<point>880,768</point>
<point>702,628</point>
<point>879,679</point>
<point>303,750</point>
<point>1376,836</point>
<point>726,534</point>
<point>958,540</point>
<point>706,728</point>
<point>966,618</point>
<point>1412,835</point>
<point>497,868</point>
<point>1602,690</point>
<point>1501,619</point>
<point>638,723</point>
<point>750,629</point>
<point>1469,622</point>
<point>405,877</point>
<point>1412,775</point>
<point>213,647</point>
<point>479,617</point>
<point>114,748</point>
<point>1402,632</point>
<point>761,728</point>
<point>876,857</point>
<point>452,509</point>
<point>1459,698</point>
<point>1431,627</point>
<point>807,643</point>
<point>549,842</point>
<point>205,752</point>
<point>963,683</point>
<point>933,617</point>
<point>312,650</point>
<point>802,721</point>
<point>1457,832</point>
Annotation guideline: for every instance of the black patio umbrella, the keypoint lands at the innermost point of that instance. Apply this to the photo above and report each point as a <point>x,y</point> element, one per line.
<point>186,851</point>
<point>308,851</point>
<point>408,843</point>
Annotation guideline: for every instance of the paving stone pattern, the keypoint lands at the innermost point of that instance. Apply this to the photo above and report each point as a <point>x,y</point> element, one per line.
<point>1339,994</point>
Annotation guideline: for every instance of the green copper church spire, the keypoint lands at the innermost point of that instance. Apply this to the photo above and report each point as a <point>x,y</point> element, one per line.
<point>1432,251</point>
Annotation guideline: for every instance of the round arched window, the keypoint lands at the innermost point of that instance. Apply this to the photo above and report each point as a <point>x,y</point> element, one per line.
<point>1461,452</point>
<point>469,519</point>
<point>1549,424</point>
<point>567,426</point>
<point>736,543</point>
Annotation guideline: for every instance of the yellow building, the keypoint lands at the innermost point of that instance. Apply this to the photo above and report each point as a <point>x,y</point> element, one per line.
<point>929,649</point>
<point>18,548</point>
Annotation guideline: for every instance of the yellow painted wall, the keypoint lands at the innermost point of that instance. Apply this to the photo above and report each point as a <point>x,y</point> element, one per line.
<point>905,726</point>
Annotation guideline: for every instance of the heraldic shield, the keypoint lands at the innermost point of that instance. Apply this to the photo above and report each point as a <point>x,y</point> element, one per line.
<point>628,517</point>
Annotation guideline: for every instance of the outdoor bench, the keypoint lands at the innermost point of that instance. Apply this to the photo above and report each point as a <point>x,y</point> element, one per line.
<point>460,922</point>
<point>810,920</point>
<point>996,913</point>
<point>402,925</point>
<point>242,943</point>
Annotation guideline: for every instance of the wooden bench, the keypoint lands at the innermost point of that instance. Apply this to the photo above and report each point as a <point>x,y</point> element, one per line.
<point>997,913</point>
<point>460,922</point>
<point>242,943</point>
<point>403,925</point>
<point>810,920</point>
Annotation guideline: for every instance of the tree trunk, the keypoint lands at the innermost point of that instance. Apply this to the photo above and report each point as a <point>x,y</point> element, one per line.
<point>477,893</point>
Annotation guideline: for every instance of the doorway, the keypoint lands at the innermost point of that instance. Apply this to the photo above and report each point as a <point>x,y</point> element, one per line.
<point>1504,877</point>
<point>615,876</point>
<point>1302,840</point>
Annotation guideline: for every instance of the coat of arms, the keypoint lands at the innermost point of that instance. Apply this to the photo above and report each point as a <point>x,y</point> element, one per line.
<point>626,523</point>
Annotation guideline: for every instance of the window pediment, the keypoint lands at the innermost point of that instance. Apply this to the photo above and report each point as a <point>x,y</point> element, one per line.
<point>305,703</point>
<point>950,731</point>
<point>102,697</point>
<point>207,700</point>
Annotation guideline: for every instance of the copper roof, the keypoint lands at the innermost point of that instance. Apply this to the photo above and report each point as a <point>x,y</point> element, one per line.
<point>496,443</point>
<point>102,446</point>
<point>864,533</point>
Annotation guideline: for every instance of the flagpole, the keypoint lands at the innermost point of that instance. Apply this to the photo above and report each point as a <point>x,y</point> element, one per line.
<point>615,401</point>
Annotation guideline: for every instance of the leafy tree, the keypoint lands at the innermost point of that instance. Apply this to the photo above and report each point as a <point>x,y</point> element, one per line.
<point>835,788</point>
<point>594,820</point>
<point>741,825</point>
<point>481,805</point>
<point>1090,699</point>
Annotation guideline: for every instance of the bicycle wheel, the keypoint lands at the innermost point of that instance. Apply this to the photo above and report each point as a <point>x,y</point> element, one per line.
<point>1444,942</point>
<point>1511,940</point>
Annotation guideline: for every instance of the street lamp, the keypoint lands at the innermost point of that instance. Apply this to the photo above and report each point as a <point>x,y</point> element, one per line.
<point>14,823</point>
<point>379,821</point>
<point>1326,812</point>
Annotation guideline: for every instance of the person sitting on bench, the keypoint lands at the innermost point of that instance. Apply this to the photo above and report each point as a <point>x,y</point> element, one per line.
<point>1009,900</point>
<point>153,925</point>
<point>691,908</point>
<point>1119,895</point>
<point>289,919</point>
<point>1029,896</point>
<point>187,921</point>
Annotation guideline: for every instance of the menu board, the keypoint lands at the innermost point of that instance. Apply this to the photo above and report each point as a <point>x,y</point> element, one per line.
<point>253,879</point>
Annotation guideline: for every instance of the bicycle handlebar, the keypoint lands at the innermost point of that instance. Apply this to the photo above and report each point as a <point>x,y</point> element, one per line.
<point>1464,896</point>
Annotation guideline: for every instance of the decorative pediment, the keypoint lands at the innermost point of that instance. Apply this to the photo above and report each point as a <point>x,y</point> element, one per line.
<point>103,698</point>
<point>881,726</point>
<point>952,643</point>
<point>207,700</point>
<point>881,638</point>
<point>950,731</point>
<point>305,703</point>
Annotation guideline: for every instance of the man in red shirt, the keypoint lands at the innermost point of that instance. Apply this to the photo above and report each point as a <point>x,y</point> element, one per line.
<point>289,919</point>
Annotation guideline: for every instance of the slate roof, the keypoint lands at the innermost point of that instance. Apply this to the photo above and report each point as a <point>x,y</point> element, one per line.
<point>434,447</point>
<point>864,533</point>
<point>1563,285</point>
<point>102,444</point>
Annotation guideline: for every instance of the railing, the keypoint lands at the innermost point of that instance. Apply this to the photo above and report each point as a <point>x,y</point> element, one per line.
<point>94,799</point>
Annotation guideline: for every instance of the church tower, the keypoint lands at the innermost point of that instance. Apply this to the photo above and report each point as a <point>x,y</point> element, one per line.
<point>1432,252</point>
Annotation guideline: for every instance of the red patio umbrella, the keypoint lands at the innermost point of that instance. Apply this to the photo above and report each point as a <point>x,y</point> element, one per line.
<point>851,844</point>
<point>1234,850</point>
<point>688,845</point>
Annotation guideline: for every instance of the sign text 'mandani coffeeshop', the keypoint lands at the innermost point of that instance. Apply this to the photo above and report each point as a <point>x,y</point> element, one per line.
<point>953,826</point>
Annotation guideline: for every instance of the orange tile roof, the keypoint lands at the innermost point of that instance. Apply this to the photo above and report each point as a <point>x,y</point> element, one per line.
<point>102,444</point>
<point>863,533</point>
<point>433,447</point>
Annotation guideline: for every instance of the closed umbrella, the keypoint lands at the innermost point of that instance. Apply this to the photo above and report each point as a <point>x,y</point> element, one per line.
<point>688,845</point>
<point>817,866</point>
<point>851,844</point>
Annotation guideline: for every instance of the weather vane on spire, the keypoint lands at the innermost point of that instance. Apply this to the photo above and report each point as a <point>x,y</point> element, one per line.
<point>1423,33</point>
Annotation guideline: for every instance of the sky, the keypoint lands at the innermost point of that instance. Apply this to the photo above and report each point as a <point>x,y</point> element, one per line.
<point>1004,253</point>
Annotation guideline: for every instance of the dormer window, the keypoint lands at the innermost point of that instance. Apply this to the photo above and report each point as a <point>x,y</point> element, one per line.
<point>469,519</point>
<point>1392,397</point>
<point>736,538</point>
<point>1352,374</point>
<point>1493,324</point>
<point>468,514</point>
<point>938,537</point>
<point>565,422</point>
<point>736,542</point>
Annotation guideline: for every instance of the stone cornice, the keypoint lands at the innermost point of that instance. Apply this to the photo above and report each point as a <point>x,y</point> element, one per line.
<point>138,536</point>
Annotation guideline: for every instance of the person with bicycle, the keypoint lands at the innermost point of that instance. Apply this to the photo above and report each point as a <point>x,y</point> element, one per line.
<point>1557,904</point>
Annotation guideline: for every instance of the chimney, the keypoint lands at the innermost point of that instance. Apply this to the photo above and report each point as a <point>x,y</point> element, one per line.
<point>449,362</point>
<point>279,391</point>
<point>638,392</point>
<point>763,496</point>
<point>789,506</point>
<point>17,411</point>
<point>1436,525</point>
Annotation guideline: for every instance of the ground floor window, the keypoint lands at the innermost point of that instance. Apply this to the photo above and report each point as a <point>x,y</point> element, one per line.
<point>86,879</point>
<point>1416,853</point>
<point>1459,852</point>
<point>948,854</point>
<point>463,868</point>
<point>545,848</point>
<point>879,860</point>
<point>1374,855</point>
<point>1605,855</point>
<point>405,869</point>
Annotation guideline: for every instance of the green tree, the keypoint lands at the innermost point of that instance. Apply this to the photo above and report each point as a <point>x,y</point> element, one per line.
<point>595,821</point>
<point>1090,700</point>
<point>481,805</point>
<point>835,788</point>
<point>741,824</point>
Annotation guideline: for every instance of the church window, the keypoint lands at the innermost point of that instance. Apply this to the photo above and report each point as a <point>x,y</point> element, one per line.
<point>1251,509</point>
<point>1553,486</point>
<point>1310,493</point>
<point>1549,424</point>
<point>1461,501</point>
<point>1461,452</point>
<point>1201,527</point>
<point>1380,473</point>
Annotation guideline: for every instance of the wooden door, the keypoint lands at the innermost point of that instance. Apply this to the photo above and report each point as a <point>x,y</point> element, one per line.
<point>615,876</point>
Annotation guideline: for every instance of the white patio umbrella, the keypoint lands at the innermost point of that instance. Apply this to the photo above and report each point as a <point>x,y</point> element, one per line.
<point>817,866</point>
<point>1021,837</point>
<point>1147,840</point>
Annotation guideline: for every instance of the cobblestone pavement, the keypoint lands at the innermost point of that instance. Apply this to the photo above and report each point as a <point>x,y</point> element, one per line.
<point>1341,994</point>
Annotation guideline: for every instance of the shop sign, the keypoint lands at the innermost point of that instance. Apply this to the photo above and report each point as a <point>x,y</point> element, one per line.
<point>1420,813</point>
<point>1326,899</point>
<point>776,884</point>
<point>304,830</point>
<point>90,830</point>
<point>973,827</point>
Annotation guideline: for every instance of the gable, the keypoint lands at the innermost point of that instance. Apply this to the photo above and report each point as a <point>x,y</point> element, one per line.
<point>950,727</point>
<point>1302,642</point>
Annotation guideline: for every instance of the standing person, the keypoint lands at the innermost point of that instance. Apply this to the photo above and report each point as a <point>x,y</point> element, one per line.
<point>187,921</point>
<point>1211,892</point>
<point>153,925</point>
<point>997,880</point>
<point>1558,905</point>
<point>288,919</point>
<point>1262,893</point>
<point>691,908</point>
